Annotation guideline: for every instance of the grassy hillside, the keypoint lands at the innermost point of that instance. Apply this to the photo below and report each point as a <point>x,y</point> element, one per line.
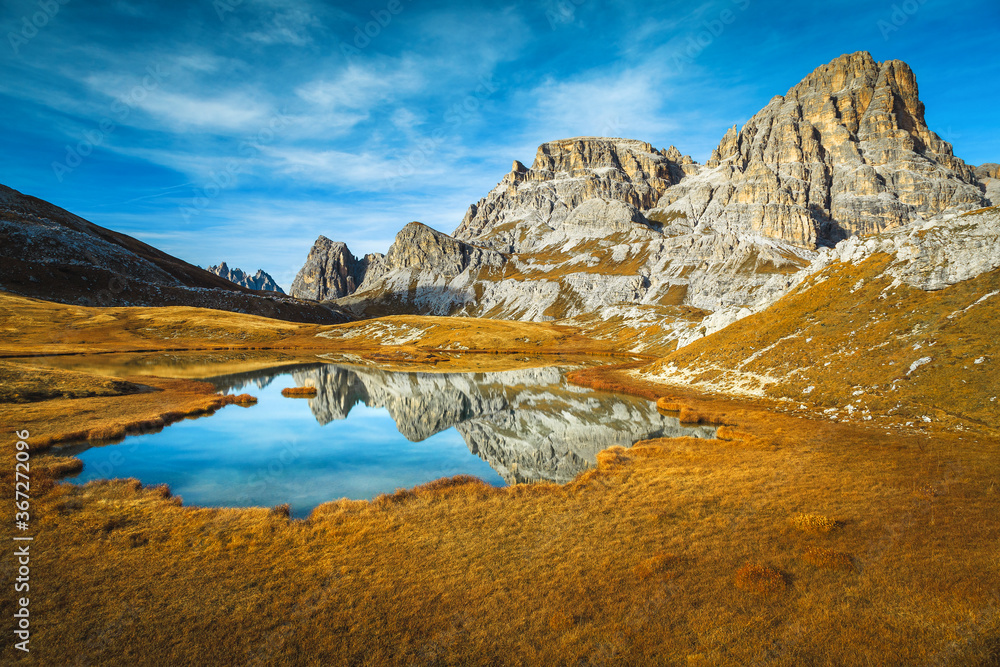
<point>860,346</point>
<point>30,327</point>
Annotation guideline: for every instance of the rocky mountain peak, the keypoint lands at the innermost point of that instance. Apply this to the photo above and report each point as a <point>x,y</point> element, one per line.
<point>564,174</point>
<point>420,247</point>
<point>331,271</point>
<point>846,151</point>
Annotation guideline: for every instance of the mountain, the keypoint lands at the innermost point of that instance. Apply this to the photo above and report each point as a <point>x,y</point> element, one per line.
<point>259,281</point>
<point>846,151</point>
<point>48,253</point>
<point>331,271</point>
<point>637,243</point>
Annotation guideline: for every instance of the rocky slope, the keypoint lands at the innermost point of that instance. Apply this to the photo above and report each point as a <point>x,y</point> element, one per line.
<point>643,244</point>
<point>901,324</point>
<point>49,253</point>
<point>259,281</point>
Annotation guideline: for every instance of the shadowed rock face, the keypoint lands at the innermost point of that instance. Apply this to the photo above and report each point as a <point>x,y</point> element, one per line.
<point>331,271</point>
<point>989,175</point>
<point>529,425</point>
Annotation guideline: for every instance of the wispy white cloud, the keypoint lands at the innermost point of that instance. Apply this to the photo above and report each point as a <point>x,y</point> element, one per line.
<point>235,111</point>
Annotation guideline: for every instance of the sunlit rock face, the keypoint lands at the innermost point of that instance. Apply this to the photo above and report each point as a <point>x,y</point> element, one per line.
<point>845,152</point>
<point>529,425</point>
<point>570,172</point>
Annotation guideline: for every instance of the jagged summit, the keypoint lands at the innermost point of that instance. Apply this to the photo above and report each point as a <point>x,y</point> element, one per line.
<point>260,281</point>
<point>846,151</point>
<point>616,234</point>
<point>564,174</point>
<point>331,271</point>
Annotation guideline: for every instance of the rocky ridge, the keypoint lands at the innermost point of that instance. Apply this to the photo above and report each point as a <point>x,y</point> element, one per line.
<point>259,281</point>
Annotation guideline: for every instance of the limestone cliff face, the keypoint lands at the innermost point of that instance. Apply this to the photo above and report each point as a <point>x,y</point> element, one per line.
<point>424,272</point>
<point>989,175</point>
<point>331,271</point>
<point>565,174</point>
<point>846,151</point>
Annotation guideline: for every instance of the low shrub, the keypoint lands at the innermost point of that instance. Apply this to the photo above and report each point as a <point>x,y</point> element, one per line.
<point>760,579</point>
<point>828,559</point>
<point>299,392</point>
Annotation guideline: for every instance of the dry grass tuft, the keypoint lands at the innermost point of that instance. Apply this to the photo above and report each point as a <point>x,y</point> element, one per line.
<point>814,523</point>
<point>828,558</point>
<point>243,400</point>
<point>299,392</point>
<point>560,621</point>
<point>760,579</point>
<point>689,416</point>
<point>667,404</point>
<point>660,564</point>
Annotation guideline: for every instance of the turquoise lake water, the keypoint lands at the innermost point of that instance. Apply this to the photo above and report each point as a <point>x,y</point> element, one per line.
<point>370,432</point>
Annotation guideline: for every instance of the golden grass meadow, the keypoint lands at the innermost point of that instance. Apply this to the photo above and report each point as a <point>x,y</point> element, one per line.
<point>792,539</point>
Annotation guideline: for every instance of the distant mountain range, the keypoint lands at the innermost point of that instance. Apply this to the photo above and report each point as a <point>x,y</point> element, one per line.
<point>260,281</point>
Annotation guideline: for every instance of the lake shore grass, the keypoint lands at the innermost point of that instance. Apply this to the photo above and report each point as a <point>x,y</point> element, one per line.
<point>670,552</point>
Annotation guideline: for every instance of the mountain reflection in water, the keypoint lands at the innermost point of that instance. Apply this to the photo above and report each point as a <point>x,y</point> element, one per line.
<point>370,431</point>
<point>529,425</point>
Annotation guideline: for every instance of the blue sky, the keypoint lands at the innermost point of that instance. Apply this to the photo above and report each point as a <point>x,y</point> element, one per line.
<point>239,130</point>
